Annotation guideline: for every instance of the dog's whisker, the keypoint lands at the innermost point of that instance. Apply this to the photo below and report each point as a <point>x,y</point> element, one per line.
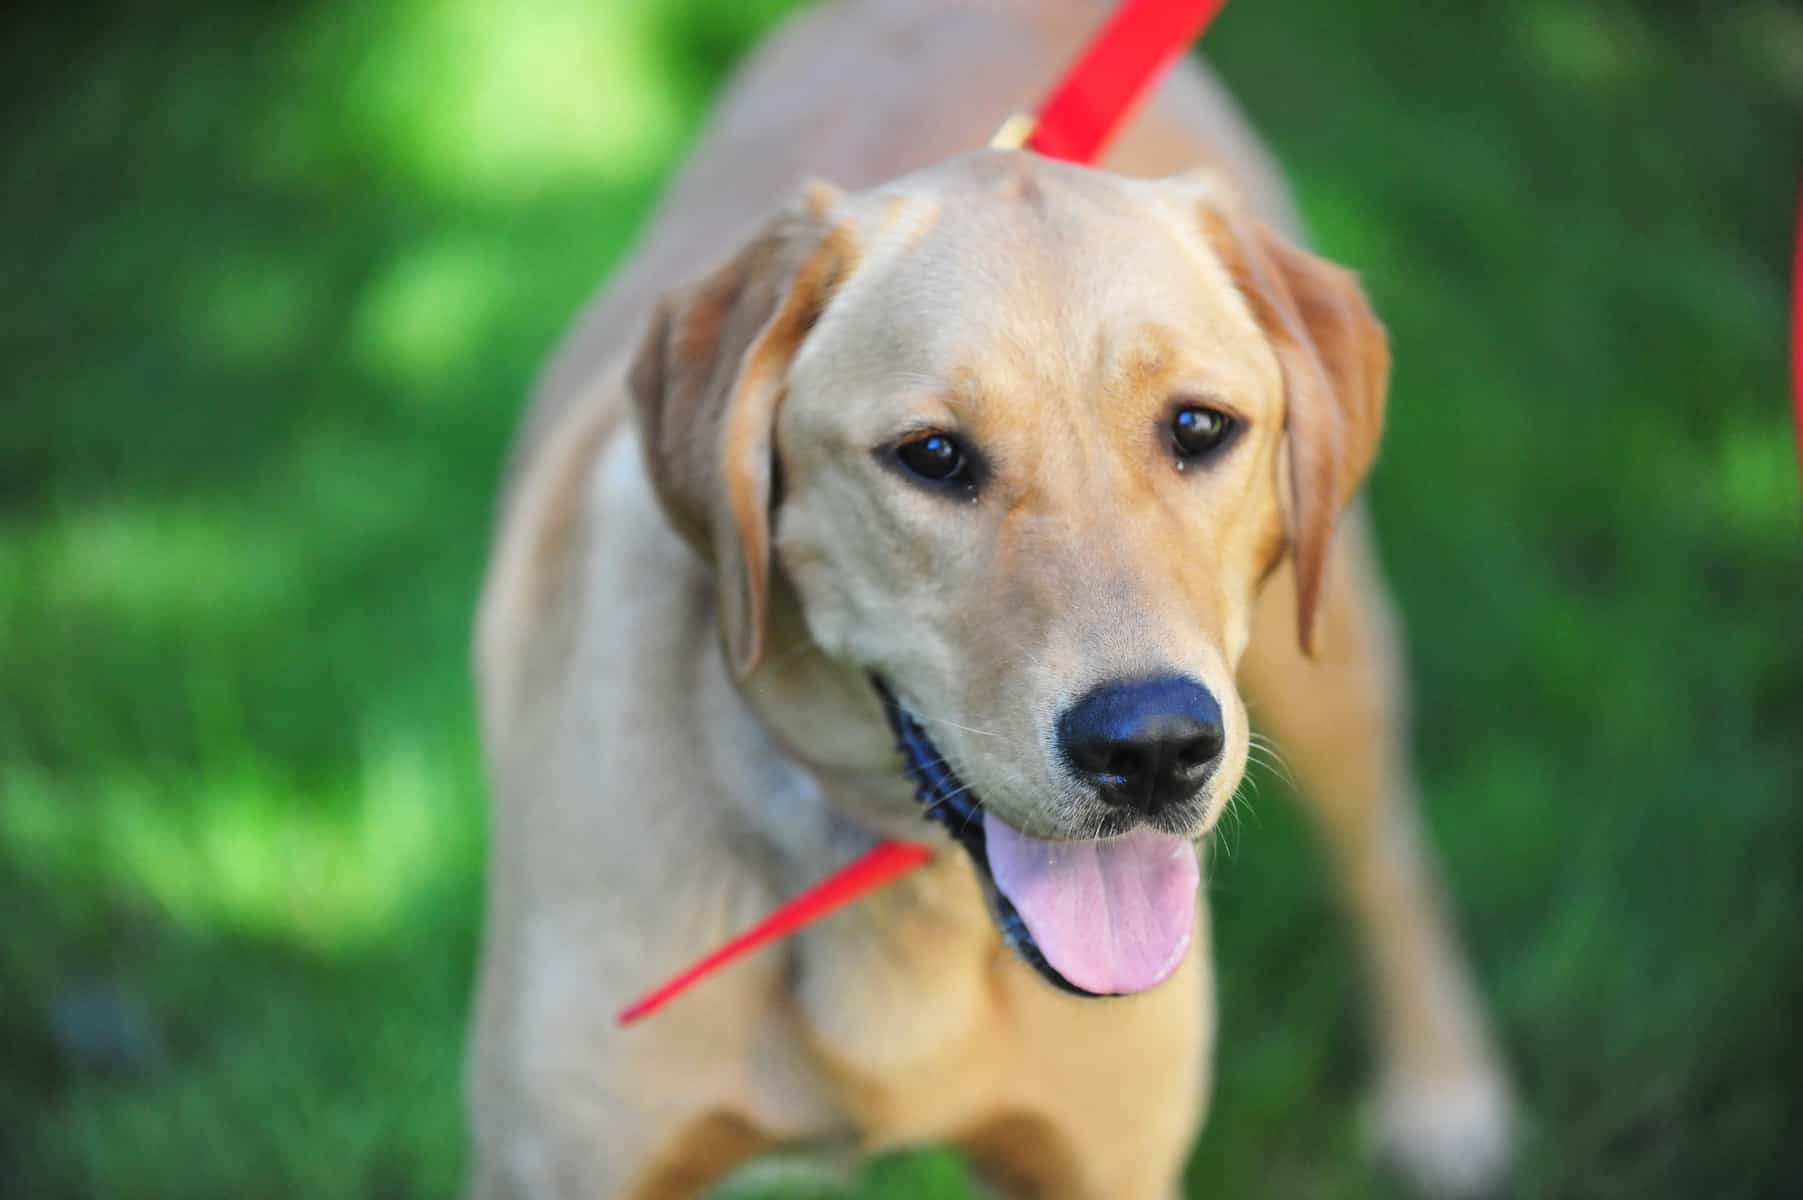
<point>1239,806</point>
<point>1278,760</point>
<point>975,807</point>
<point>1272,748</point>
<point>1275,766</point>
<point>1235,810</point>
<point>948,797</point>
<point>955,725</point>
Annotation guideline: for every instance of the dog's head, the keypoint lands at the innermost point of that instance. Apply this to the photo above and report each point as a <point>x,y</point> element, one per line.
<point>1019,442</point>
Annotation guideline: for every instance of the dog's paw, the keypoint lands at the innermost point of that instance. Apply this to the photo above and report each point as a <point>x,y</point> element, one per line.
<point>1448,1140</point>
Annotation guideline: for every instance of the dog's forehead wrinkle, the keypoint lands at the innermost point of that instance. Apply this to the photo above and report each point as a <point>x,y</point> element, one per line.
<point>1040,318</point>
<point>955,239</point>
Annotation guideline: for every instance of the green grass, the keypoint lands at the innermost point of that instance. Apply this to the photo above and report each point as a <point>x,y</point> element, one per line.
<point>275,281</point>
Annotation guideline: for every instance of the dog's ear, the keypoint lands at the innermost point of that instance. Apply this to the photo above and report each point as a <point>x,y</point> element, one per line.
<point>1335,360</point>
<point>706,385</point>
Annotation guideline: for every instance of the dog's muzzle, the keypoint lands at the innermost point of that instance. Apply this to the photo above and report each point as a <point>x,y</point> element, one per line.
<point>949,801</point>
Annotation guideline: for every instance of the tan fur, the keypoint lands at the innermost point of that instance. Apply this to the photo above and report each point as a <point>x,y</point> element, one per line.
<point>682,609</point>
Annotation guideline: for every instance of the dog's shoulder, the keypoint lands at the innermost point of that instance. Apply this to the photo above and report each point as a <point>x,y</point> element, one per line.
<point>580,477</point>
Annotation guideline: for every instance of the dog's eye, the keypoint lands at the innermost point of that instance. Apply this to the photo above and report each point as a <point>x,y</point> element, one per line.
<point>1199,431</point>
<point>934,457</point>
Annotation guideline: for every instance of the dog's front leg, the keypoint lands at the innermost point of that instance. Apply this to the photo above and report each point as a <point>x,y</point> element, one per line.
<point>678,1164</point>
<point>549,1131</point>
<point>1338,719</point>
<point>566,1104</point>
<point>1106,1096</point>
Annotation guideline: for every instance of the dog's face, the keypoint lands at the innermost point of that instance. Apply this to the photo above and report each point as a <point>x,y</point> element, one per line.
<point>1023,440</point>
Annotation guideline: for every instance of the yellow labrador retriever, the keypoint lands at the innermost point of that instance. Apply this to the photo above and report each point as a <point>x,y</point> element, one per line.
<point>972,486</point>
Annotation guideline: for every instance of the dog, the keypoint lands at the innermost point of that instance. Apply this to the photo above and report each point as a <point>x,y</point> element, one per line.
<point>1023,467</point>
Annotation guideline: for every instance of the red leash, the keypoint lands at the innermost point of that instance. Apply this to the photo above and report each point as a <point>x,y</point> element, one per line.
<point>1104,87</point>
<point>1097,94</point>
<point>865,874</point>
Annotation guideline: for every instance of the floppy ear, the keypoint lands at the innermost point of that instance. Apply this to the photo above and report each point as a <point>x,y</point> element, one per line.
<point>1335,360</point>
<point>706,385</point>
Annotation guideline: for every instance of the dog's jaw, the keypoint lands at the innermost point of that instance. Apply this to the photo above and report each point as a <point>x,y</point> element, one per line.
<point>947,800</point>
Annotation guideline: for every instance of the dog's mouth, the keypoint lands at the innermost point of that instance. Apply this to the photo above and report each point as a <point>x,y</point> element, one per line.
<point>1094,918</point>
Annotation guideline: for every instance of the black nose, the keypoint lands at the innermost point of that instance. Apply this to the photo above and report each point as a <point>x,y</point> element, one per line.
<point>1146,744</point>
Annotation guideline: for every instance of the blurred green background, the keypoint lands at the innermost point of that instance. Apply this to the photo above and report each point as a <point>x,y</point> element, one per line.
<point>276,278</point>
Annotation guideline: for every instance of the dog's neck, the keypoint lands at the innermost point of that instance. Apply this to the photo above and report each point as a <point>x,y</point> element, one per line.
<point>823,781</point>
<point>818,781</point>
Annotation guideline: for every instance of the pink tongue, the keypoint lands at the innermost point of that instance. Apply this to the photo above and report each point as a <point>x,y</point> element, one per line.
<point>1112,917</point>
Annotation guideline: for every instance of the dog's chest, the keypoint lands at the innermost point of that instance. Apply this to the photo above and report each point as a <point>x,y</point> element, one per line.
<point>896,995</point>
